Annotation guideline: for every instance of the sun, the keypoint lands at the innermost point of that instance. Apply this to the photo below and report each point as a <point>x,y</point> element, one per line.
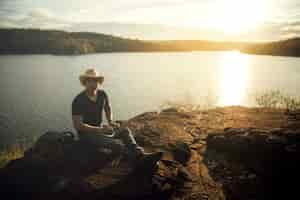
<point>237,16</point>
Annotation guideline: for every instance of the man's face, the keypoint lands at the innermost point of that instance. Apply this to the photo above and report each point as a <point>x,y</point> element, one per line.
<point>91,84</point>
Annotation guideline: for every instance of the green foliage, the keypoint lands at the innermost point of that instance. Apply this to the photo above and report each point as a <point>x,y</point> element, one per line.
<point>12,153</point>
<point>36,41</point>
<point>277,99</point>
<point>289,47</point>
<point>267,99</point>
<point>189,104</point>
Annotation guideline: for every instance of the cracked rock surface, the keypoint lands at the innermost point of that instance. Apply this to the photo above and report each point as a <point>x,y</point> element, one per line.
<point>221,153</point>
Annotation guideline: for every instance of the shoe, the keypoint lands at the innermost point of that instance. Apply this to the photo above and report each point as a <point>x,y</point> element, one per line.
<point>149,160</point>
<point>141,154</point>
<point>137,156</point>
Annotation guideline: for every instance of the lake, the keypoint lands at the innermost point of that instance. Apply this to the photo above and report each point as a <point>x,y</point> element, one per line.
<point>37,90</point>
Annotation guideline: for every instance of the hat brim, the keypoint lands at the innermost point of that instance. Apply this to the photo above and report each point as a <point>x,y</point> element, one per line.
<point>82,78</point>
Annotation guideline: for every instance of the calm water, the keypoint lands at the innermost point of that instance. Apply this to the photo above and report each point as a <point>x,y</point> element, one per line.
<point>37,90</point>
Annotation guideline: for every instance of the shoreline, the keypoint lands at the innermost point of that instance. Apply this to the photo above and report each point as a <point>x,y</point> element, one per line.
<point>145,52</point>
<point>24,41</point>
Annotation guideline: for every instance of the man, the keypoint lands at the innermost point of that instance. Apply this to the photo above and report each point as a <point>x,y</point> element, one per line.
<point>87,108</point>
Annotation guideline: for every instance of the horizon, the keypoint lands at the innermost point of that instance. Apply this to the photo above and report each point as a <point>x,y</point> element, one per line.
<point>154,40</point>
<point>217,20</point>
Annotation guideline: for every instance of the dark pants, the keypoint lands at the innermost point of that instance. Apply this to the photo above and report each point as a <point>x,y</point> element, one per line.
<point>121,141</point>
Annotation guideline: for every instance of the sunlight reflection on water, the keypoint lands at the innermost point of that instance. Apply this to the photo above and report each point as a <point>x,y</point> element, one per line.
<point>234,76</point>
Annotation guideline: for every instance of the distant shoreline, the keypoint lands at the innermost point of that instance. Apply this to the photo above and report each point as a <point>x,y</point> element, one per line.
<point>135,52</point>
<point>53,42</point>
<point>126,52</point>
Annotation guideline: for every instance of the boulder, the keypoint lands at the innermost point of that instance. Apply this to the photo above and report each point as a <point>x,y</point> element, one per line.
<point>221,153</point>
<point>255,165</point>
<point>58,166</point>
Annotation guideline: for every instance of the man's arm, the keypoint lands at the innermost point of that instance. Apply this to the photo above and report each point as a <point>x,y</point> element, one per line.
<point>108,110</point>
<point>86,128</point>
<point>108,114</point>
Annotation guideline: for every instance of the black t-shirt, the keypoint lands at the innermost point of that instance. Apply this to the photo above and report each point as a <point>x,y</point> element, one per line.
<point>90,111</point>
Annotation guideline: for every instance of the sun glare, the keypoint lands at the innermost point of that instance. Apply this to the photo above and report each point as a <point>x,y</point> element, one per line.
<point>237,16</point>
<point>234,75</point>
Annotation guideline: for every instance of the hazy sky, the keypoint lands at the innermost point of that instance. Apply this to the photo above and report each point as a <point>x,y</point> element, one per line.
<point>237,19</point>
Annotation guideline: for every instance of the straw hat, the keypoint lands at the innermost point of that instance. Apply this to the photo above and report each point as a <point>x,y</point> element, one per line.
<point>91,74</point>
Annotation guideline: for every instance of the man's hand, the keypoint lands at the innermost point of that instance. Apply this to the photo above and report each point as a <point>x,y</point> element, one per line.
<point>107,130</point>
<point>114,124</point>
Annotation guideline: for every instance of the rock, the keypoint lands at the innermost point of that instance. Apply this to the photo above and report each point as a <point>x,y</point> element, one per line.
<point>267,158</point>
<point>276,131</point>
<point>68,169</point>
<point>256,157</point>
<point>251,176</point>
<point>170,110</point>
<point>181,152</point>
<point>292,148</point>
<point>276,139</point>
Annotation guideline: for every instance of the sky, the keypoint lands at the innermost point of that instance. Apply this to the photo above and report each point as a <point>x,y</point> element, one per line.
<point>253,20</point>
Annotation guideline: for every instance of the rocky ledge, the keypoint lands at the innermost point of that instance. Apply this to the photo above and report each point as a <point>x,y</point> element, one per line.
<point>221,153</point>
